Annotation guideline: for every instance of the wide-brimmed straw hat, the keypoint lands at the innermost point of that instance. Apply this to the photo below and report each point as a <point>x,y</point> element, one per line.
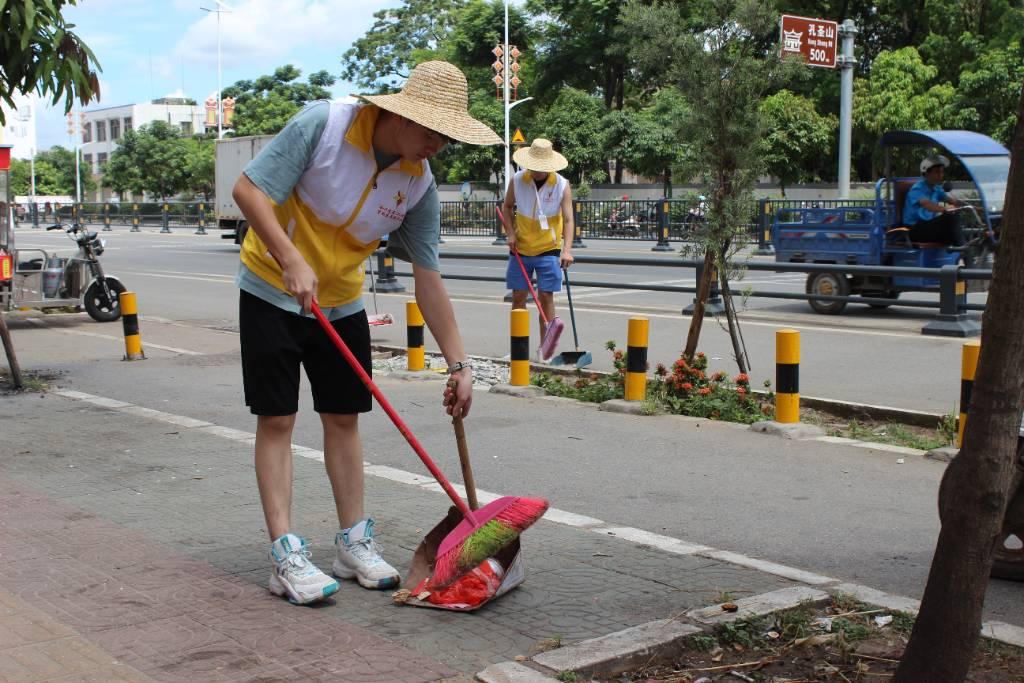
<point>540,156</point>
<point>436,96</point>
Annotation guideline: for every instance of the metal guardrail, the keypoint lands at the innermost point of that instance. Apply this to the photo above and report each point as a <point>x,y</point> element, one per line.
<point>951,320</point>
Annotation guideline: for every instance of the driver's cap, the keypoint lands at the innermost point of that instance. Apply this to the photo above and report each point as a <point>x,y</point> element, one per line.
<point>933,160</point>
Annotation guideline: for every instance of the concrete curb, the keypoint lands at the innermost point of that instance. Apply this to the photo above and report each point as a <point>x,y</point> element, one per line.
<point>624,650</point>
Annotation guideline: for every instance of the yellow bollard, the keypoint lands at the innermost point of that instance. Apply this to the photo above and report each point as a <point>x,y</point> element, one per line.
<point>636,359</point>
<point>968,368</point>
<point>787,376</point>
<point>414,336</point>
<point>130,322</point>
<point>519,367</point>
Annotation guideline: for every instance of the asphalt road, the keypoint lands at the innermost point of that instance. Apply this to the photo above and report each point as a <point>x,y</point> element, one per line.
<point>846,512</point>
<point>864,355</point>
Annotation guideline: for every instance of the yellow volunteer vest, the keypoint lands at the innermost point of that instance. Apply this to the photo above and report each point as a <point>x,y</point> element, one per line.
<point>341,206</point>
<point>531,237</point>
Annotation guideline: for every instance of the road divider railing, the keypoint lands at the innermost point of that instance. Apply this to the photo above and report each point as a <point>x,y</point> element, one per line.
<point>952,319</point>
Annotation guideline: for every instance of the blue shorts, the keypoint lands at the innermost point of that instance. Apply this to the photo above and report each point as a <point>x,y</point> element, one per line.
<point>548,271</point>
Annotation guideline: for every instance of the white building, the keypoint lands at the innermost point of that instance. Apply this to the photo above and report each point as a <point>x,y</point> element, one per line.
<point>102,128</point>
<point>20,127</point>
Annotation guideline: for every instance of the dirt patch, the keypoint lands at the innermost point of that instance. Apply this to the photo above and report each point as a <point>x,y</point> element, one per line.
<point>844,641</point>
<point>33,381</point>
<point>865,428</point>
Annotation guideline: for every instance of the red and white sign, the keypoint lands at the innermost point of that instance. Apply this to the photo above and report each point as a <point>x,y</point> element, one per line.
<point>814,39</point>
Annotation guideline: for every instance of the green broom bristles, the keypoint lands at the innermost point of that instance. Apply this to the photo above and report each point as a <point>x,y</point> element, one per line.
<point>487,540</point>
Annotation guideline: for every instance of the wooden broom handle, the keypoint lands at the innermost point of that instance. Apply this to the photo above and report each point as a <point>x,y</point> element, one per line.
<point>467,469</point>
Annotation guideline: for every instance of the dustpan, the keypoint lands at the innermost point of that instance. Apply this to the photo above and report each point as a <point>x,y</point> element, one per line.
<point>579,358</point>
<point>508,559</point>
<point>377,318</point>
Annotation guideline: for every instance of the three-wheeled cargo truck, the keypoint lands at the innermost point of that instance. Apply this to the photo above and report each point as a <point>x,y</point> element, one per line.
<point>871,232</point>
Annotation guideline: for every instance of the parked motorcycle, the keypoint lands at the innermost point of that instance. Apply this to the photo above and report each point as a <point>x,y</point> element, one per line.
<point>51,281</point>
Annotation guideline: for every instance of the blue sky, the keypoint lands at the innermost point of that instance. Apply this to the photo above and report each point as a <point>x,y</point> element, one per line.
<point>153,48</point>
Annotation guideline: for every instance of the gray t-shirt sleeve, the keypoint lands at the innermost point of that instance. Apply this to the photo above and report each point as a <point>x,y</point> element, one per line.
<point>277,168</point>
<point>416,241</point>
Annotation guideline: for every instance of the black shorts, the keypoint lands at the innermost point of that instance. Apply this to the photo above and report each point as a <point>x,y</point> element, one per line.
<point>275,342</point>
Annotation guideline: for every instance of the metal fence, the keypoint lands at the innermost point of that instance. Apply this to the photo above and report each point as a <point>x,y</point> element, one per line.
<point>662,220</point>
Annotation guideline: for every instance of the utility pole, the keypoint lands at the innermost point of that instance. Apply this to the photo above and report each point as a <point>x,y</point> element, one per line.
<point>221,8</point>
<point>507,75</point>
<point>847,62</point>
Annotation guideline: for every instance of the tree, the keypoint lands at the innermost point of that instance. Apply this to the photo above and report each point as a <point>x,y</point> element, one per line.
<point>650,141</point>
<point>55,170</point>
<point>48,178</point>
<point>200,166</point>
<point>400,38</point>
<point>152,159</point>
<point>122,174</point>
<point>796,136</point>
<point>573,124</point>
<point>39,53</point>
<point>263,106</point>
<point>977,484</point>
<point>724,63</point>
<point>987,90</point>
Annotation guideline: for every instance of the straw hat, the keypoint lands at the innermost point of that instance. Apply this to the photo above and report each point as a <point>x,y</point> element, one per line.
<point>540,157</point>
<point>436,96</point>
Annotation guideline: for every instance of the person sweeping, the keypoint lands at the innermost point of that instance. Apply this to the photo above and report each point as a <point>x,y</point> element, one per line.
<point>318,199</point>
<point>537,215</point>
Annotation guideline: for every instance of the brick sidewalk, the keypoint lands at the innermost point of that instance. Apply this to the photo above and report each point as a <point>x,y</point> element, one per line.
<point>136,549</point>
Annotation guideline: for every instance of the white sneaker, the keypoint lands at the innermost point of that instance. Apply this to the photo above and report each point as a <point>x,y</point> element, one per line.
<point>359,557</point>
<point>294,576</point>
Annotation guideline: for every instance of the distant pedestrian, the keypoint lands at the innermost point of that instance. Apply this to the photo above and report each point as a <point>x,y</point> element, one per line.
<point>537,214</point>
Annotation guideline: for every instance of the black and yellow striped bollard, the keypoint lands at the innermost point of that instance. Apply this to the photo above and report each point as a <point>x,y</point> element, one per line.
<point>787,376</point>
<point>130,322</point>
<point>636,359</point>
<point>968,368</point>
<point>519,365</point>
<point>414,337</point>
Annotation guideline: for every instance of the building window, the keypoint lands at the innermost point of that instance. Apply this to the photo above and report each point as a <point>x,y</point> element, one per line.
<point>115,129</point>
<point>101,160</point>
<point>101,131</point>
<point>87,158</point>
<point>127,123</point>
<point>186,127</point>
<point>87,132</point>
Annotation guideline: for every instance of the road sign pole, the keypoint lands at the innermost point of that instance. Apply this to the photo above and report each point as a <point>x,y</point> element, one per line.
<point>847,62</point>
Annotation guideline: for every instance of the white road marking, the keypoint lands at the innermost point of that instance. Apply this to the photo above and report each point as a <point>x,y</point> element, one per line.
<point>83,333</point>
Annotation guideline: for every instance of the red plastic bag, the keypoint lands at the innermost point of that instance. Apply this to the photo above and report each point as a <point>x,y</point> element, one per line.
<point>472,589</point>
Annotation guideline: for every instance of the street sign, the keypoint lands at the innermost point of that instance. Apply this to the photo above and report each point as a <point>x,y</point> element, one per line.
<point>518,138</point>
<point>814,39</point>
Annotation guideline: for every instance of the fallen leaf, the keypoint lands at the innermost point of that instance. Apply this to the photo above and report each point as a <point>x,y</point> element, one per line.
<point>811,641</point>
<point>730,607</point>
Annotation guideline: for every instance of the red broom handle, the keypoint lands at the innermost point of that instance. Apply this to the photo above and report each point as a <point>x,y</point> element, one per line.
<point>402,427</point>
<point>515,252</point>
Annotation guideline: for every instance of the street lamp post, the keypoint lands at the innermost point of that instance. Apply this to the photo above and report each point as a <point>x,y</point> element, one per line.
<point>221,8</point>
<point>506,74</point>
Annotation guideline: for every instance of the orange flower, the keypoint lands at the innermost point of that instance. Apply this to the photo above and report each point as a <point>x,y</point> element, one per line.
<point>704,391</point>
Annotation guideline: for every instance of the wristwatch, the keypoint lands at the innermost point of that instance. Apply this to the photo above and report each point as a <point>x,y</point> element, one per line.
<point>455,367</point>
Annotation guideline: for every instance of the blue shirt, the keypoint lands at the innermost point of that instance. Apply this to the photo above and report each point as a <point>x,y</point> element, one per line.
<point>276,170</point>
<point>913,212</point>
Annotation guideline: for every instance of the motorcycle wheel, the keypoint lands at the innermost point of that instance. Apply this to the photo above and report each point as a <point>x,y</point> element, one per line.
<point>98,307</point>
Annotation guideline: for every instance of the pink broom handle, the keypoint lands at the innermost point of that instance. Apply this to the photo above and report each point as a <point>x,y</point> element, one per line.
<point>515,252</point>
<point>402,427</point>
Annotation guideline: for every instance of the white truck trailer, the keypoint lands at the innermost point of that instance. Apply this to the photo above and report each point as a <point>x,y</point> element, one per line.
<point>232,156</point>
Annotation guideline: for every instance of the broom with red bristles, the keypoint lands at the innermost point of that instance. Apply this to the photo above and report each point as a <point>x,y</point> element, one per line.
<point>482,533</point>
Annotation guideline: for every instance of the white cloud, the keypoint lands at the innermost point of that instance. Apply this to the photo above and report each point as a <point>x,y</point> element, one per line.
<point>267,30</point>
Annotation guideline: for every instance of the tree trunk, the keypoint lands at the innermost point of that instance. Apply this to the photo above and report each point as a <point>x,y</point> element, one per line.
<point>738,348</point>
<point>979,478</point>
<point>12,358</point>
<point>697,319</point>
